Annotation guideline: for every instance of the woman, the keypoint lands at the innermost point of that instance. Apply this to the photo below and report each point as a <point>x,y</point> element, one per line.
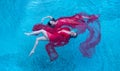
<point>60,35</point>
<point>57,28</point>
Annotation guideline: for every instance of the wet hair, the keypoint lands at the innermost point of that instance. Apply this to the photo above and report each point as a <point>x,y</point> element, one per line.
<point>53,19</point>
<point>49,24</point>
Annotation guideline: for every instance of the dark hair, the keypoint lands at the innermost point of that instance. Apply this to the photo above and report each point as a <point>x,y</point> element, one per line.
<point>53,19</point>
<point>49,24</point>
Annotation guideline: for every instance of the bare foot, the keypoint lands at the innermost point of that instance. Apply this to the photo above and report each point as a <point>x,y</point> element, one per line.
<point>31,53</point>
<point>28,34</point>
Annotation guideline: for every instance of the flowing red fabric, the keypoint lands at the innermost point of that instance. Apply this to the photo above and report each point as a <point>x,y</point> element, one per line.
<point>75,22</point>
<point>60,40</point>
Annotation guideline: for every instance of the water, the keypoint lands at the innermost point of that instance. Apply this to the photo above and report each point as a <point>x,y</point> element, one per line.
<point>18,16</point>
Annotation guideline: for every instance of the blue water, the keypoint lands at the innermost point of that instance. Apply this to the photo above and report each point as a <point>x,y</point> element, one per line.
<point>18,16</point>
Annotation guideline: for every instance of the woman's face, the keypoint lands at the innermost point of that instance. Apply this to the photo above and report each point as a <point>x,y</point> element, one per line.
<point>52,23</point>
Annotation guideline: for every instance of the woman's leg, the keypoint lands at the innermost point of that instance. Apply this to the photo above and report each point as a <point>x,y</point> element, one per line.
<point>44,37</point>
<point>36,43</point>
<point>37,32</point>
<point>44,32</point>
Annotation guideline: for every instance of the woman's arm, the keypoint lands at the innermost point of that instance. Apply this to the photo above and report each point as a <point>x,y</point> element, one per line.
<point>68,32</point>
<point>45,18</point>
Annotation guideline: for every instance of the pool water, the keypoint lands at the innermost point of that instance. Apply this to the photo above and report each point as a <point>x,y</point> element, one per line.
<point>18,16</point>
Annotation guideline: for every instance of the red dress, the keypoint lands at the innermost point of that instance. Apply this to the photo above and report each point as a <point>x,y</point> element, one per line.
<point>56,39</point>
<point>75,22</point>
<point>55,36</point>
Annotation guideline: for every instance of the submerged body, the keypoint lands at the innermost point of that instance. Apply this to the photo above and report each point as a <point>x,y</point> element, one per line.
<point>60,33</point>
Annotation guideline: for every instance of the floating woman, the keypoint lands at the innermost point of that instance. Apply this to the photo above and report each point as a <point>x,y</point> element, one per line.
<point>61,33</point>
<point>58,32</point>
